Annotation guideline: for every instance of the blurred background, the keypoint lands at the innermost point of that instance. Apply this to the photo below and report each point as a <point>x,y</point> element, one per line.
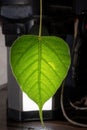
<point>3,60</point>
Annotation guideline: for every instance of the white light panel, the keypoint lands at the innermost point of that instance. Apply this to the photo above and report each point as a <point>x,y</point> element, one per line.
<point>29,105</point>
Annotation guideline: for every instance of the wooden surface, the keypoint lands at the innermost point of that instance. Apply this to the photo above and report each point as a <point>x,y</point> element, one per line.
<point>51,125</point>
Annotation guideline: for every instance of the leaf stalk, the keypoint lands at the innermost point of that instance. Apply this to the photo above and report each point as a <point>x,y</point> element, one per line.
<point>41,116</point>
<point>40,26</point>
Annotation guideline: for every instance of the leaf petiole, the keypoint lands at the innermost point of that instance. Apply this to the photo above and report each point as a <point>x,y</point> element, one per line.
<point>40,26</point>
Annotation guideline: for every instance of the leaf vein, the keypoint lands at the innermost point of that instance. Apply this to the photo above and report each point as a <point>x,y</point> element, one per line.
<point>46,44</point>
<point>52,68</point>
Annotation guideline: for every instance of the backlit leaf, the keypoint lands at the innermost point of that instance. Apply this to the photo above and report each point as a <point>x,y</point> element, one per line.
<point>39,66</point>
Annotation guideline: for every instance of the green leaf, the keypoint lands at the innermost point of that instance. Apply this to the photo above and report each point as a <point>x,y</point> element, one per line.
<point>39,64</point>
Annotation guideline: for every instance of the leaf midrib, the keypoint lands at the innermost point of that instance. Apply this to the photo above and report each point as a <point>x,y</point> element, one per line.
<point>39,71</point>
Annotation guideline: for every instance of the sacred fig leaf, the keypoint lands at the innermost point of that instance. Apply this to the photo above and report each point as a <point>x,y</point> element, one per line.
<point>39,64</point>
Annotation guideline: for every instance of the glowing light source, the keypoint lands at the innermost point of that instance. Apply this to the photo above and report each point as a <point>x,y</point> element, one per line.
<point>29,105</point>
